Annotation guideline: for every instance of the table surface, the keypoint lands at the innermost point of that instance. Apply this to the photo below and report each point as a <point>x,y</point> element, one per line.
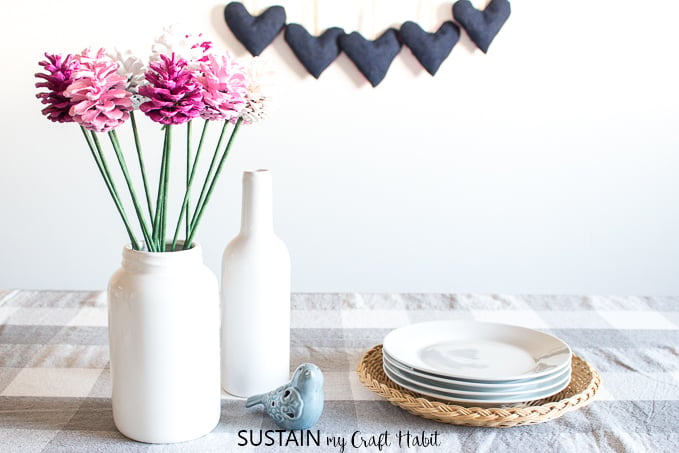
<point>55,382</point>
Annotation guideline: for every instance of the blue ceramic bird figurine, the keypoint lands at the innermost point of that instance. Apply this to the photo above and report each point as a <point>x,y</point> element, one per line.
<point>297,404</point>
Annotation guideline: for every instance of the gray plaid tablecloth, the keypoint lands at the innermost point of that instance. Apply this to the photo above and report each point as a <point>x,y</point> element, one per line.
<point>55,382</point>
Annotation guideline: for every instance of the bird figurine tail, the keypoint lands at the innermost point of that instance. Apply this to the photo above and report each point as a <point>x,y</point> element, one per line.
<point>255,400</point>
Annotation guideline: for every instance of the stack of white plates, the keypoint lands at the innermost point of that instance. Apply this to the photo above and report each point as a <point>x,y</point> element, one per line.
<point>477,363</point>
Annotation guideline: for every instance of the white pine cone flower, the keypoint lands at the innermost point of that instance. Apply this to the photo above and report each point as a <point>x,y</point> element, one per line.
<point>133,70</point>
<point>256,109</point>
<point>260,84</point>
<point>175,39</point>
<point>131,67</point>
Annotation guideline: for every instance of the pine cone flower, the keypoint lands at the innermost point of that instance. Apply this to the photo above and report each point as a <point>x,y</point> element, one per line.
<point>98,96</point>
<point>59,76</point>
<point>258,98</point>
<point>175,96</point>
<point>224,88</point>
<point>188,46</point>
<point>133,70</point>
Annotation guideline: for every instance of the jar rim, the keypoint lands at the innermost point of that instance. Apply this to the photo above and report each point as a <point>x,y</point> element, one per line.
<point>136,258</point>
<point>179,248</point>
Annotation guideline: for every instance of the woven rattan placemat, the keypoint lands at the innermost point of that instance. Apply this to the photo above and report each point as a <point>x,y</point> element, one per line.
<point>585,382</point>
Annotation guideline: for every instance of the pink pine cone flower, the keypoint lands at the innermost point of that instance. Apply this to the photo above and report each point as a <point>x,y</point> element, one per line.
<point>174,94</point>
<point>58,77</point>
<point>99,99</point>
<point>224,88</point>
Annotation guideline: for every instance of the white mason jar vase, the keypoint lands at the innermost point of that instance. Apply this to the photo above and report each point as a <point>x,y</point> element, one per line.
<point>163,316</point>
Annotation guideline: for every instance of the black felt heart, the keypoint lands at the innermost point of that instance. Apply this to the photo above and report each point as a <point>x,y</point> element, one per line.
<point>372,58</point>
<point>430,49</point>
<point>315,53</point>
<point>482,26</point>
<point>254,32</point>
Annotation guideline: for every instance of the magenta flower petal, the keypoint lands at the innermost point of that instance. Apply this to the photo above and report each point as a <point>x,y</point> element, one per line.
<point>174,94</point>
<point>58,76</point>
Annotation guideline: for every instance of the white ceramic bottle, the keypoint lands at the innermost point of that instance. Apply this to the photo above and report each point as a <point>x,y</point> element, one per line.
<point>255,295</point>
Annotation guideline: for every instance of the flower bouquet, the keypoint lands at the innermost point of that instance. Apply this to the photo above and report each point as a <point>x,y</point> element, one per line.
<point>182,82</point>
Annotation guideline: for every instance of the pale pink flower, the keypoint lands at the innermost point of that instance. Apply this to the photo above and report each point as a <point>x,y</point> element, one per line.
<point>99,99</point>
<point>224,87</point>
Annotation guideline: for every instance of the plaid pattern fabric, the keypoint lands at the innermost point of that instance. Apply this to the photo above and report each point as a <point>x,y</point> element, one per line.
<point>55,382</point>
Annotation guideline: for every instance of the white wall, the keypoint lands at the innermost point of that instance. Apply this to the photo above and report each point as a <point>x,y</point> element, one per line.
<point>547,166</point>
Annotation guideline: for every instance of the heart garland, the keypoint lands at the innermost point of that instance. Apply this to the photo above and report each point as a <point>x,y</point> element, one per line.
<point>372,58</point>
<point>255,33</point>
<point>315,53</point>
<point>482,26</point>
<point>430,49</point>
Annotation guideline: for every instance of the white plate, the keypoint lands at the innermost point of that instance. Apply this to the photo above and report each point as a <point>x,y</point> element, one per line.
<point>471,382</point>
<point>478,351</point>
<point>484,393</point>
<point>474,401</point>
<point>530,385</point>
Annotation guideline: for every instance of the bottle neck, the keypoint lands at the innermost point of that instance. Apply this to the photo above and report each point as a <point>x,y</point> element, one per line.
<point>257,209</point>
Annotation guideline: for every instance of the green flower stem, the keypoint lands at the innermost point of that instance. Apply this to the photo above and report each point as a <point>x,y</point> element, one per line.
<point>97,154</point>
<point>194,223</point>
<point>157,219</point>
<point>123,166</point>
<point>187,195</point>
<point>186,203</point>
<point>166,184</point>
<point>204,190</point>
<point>157,232</point>
<point>142,167</point>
